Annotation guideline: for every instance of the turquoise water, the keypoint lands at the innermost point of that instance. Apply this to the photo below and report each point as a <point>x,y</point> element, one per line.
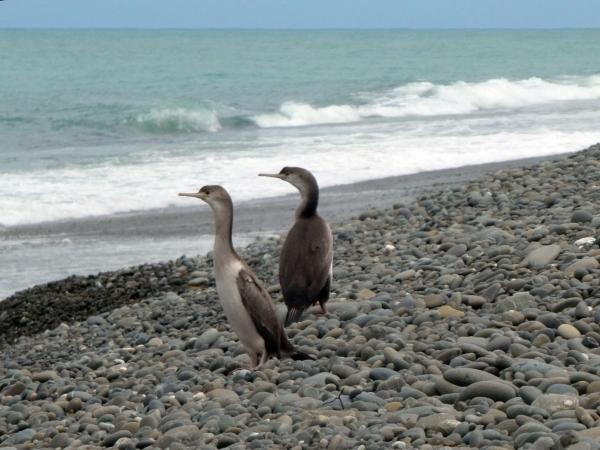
<point>100,122</point>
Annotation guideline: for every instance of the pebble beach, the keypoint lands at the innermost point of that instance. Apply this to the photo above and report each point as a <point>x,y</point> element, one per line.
<point>465,319</point>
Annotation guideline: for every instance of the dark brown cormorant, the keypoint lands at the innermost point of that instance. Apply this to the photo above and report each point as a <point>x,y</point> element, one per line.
<point>305,265</point>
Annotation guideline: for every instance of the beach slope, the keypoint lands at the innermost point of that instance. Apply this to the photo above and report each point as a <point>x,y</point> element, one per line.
<point>466,318</point>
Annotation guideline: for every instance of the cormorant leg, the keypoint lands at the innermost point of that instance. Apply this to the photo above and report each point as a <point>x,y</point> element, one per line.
<point>323,308</point>
<point>253,362</point>
<point>263,359</point>
<point>324,295</point>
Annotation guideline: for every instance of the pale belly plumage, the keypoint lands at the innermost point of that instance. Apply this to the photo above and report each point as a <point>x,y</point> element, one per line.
<point>237,315</point>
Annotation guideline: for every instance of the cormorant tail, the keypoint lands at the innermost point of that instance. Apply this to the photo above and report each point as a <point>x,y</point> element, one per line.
<point>293,315</point>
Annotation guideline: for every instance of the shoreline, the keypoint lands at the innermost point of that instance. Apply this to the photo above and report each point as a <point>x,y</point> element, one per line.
<point>106,243</point>
<point>336,202</point>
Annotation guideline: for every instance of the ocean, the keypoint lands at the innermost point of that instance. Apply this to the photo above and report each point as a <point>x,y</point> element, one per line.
<point>101,122</point>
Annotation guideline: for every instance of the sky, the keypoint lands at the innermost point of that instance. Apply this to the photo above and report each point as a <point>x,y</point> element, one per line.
<point>300,13</point>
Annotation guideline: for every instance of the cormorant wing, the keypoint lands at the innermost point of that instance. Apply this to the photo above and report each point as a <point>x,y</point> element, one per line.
<point>258,303</point>
<point>306,259</point>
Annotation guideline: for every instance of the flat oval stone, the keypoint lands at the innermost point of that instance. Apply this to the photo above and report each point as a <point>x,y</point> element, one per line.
<point>556,402</point>
<point>496,390</point>
<point>542,256</point>
<point>568,331</point>
<point>464,376</point>
<point>382,373</point>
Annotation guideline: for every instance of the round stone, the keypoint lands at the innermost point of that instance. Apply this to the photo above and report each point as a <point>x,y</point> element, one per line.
<point>568,331</point>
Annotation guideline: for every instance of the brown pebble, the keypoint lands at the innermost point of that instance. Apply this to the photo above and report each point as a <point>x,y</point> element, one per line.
<point>74,404</point>
<point>393,406</point>
<point>448,311</point>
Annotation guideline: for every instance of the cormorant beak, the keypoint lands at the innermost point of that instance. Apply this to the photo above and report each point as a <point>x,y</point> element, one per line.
<point>272,175</point>
<point>200,195</point>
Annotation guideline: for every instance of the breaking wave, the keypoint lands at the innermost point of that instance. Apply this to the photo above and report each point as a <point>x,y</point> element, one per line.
<point>178,120</point>
<point>427,99</point>
<point>418,99</point>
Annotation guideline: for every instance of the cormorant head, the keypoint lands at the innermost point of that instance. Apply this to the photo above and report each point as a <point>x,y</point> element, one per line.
<point>301,178</point>
<point>216,196</point>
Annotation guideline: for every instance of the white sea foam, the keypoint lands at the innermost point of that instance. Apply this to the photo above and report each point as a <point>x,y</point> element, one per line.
<point>292,114</point>
<point>106,189</point>
<point>428,99</point>
<point>178,120</point>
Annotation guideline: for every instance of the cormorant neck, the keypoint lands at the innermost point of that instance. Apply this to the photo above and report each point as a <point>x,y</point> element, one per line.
<point>223,229</point>
<point>310,199</point>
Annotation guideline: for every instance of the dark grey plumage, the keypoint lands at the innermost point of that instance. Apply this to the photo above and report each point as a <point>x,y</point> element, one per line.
<point>306,259</point>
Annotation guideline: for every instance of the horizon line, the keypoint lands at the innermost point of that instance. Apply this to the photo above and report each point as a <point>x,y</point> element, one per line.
<point>418,28</point>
